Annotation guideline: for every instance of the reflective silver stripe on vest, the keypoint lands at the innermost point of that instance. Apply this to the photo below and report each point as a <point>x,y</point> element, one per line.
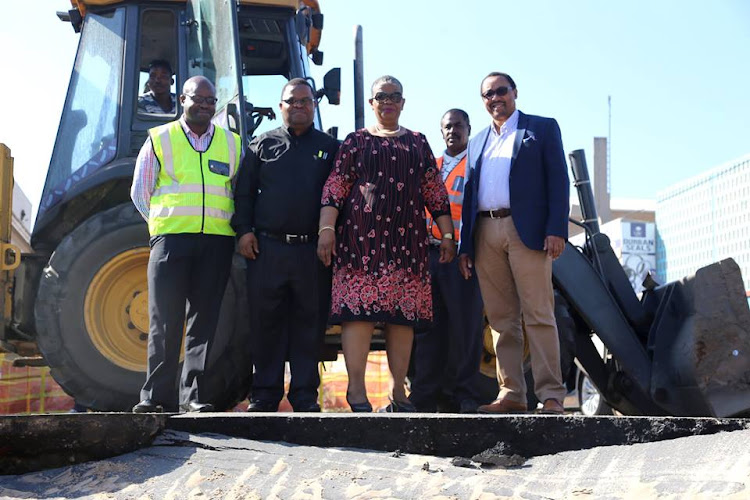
<point>189,211</point>
<point>166,150</point>
<point>193,188</point>
<point>456,199</point>
<point>232,153</point>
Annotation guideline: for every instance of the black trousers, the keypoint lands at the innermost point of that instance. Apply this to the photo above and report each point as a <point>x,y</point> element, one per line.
<point>289,292</point>
<point>446,357</point>
<point>187,277</point>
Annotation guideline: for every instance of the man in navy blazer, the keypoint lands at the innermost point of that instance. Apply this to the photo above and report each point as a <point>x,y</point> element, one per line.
<point>514,224</point>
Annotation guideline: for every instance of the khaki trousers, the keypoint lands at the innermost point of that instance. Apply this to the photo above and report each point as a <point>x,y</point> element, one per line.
<point>516,282</point>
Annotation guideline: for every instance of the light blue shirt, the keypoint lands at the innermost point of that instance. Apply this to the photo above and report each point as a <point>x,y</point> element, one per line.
<point>494,184</point>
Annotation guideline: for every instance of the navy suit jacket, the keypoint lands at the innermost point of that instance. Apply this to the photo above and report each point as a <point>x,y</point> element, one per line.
<point>539,184</point>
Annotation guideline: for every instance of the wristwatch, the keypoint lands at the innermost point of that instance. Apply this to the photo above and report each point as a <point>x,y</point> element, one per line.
<point>448,236</point>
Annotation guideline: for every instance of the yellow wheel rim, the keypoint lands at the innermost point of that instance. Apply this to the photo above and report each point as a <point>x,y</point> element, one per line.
<point>116,309</point>
<point>487,366</point>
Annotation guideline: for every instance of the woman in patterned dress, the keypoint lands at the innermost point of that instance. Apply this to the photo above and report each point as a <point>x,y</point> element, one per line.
<point>372,229</point>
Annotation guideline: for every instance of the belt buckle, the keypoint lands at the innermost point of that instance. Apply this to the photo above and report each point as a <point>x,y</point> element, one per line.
<point>294,238</point>
<point>492,215</point>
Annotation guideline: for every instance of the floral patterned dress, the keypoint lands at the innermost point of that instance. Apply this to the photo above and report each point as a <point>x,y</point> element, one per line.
<point>381,186</point>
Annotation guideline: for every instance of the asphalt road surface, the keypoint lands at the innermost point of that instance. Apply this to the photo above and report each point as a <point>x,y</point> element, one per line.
<point>208,466</point>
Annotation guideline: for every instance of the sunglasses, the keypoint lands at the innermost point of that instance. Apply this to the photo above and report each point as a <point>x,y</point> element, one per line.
<point>200,99</point>
<point>305,101</point>
<point>500,91</point>
<point>395,97</point>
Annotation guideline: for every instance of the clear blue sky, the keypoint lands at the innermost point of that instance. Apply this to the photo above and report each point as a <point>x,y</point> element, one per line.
<point>677,72</point>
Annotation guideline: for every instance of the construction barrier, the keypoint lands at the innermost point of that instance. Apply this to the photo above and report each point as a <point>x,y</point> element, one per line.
<point>33,390</point>
<point>29,390</point>
<point>333,381</point>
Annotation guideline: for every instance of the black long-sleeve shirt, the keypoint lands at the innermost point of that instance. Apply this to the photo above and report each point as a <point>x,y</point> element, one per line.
<point>281,180</point>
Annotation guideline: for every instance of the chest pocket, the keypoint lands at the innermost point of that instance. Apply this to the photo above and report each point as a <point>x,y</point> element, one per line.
<point>458,185</point>
<point>218,167</point>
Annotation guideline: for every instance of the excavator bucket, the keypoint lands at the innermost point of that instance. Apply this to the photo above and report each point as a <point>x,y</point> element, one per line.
<point>700,340</point>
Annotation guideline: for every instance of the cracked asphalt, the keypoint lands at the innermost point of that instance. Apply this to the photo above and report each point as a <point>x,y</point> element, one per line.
<point>185,466</point>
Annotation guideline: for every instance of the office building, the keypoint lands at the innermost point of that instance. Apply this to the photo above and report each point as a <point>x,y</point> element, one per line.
<point>705,219</point>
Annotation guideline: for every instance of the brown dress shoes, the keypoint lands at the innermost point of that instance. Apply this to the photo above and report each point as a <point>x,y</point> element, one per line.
<point>552,407</point>
<point>500,406</point>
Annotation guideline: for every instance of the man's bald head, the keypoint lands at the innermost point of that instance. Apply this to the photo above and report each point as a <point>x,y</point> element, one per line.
<point>198,101</point>
<point>195,82</point>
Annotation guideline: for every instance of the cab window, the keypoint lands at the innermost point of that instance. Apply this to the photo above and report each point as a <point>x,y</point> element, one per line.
<point>156,86</point>
<point>87,137</point>
<point>262,97</point>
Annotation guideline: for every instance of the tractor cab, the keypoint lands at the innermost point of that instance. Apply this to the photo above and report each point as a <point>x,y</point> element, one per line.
<point>248,48</point>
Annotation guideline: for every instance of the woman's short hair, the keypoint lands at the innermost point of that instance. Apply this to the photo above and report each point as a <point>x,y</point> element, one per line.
<point>386,79</point>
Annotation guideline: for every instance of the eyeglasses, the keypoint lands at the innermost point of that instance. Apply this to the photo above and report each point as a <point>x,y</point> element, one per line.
<point>197,99</point>
<point>394,97</point>
<point>305,101</point>
<point>500,91</point>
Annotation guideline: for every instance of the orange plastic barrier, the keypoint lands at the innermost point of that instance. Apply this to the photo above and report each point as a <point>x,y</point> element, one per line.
<point>33,390</point>
<point>333,381</point>
<point>30,390</point>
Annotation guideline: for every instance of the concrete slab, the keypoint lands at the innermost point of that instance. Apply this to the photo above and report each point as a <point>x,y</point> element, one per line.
<point>184,466</point>
<point>451,435</point>
<point>33,442</point>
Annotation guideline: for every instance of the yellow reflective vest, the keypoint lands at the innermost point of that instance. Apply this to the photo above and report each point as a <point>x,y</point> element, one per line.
<point>193,192</point>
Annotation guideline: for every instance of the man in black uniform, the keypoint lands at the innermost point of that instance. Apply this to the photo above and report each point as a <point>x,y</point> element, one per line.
<point>277,203</point>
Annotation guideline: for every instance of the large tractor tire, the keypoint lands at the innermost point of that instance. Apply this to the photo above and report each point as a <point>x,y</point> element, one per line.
<point>92,317</point>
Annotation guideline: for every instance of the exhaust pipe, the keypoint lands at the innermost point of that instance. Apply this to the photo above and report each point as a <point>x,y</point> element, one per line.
<point>359,92</point>
<point>582,183</point>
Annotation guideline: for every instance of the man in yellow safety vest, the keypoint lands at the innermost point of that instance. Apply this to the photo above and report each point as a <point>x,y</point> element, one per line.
<point>183,187</point>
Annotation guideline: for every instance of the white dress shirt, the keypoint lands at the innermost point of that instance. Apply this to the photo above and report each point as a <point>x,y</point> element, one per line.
<point>494,182</point>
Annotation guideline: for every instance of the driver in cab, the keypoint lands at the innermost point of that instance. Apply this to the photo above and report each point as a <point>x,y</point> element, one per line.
<point>158,99</point>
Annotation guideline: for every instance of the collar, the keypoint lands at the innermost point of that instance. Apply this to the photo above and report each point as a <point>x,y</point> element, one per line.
<point>510,125</point>
<point>209,131</point>
<point>460,156</point>
<point>291,133</point>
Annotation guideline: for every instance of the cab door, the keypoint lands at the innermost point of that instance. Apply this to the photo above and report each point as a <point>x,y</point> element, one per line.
<point>213,51</point>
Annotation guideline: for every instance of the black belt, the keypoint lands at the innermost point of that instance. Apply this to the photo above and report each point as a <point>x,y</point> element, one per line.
<point>499,213</point>
<point>291,239</point>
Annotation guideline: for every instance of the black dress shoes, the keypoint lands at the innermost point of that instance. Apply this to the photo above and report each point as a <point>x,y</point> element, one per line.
<point>196,407</point>
<point>148,406</point>
<point>262,406</point>
<point>364,407</point>
<point>398,407</point>
<point>468,406</point>
<point>307,408</point>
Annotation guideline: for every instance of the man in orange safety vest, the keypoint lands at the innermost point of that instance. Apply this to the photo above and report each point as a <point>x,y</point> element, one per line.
<point>446,357</point>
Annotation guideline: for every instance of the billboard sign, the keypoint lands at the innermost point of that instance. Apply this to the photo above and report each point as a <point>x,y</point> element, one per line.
<point>638,251</point>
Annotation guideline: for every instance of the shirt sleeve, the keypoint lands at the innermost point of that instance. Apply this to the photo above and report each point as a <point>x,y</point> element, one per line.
<point>342,176</point>
<point>237,172</point>
<point>246,190</point>
<point>435,194</point>
<point>144,178</point>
